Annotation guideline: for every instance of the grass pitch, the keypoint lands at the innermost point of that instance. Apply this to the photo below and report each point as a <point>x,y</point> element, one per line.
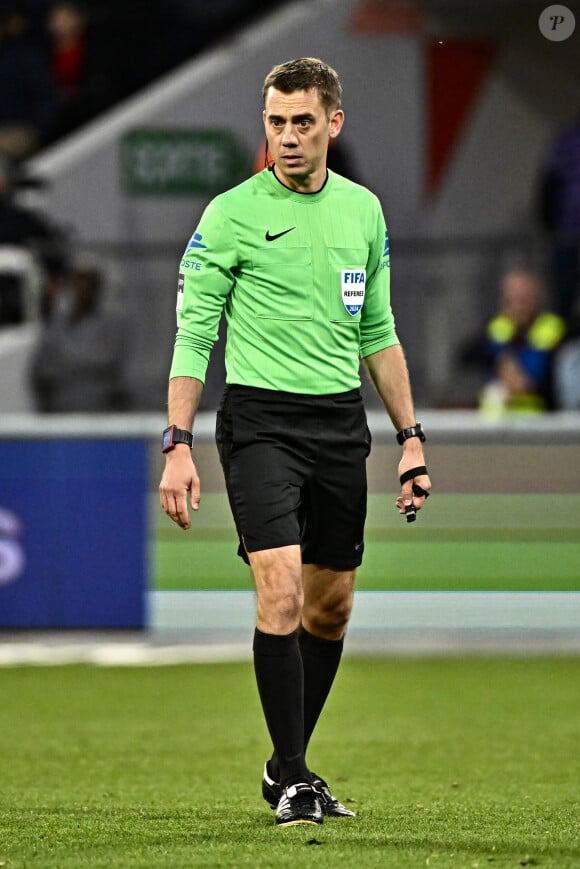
<point>449,763</point>
<point>459,543</point>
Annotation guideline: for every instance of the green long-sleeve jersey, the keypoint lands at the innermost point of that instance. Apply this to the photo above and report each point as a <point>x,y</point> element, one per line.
<point>303,279</point>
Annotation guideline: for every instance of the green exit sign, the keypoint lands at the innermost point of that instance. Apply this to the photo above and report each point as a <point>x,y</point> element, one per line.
<point>175,162</point>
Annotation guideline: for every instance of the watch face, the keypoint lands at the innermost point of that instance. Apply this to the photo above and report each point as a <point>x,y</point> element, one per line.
<point>167,438</point>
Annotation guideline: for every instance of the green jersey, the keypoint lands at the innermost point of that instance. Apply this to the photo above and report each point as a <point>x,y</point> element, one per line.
<point>303,279</point>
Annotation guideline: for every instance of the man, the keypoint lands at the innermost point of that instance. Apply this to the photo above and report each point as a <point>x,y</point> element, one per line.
<point>28,99</point>
<point>298,257</point>
<point>79,364</point>
<point>521,341</point>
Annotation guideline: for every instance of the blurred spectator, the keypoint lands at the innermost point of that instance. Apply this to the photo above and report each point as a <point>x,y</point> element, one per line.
<point>519,347</point>
<point>560,215</point>
<point>79,363</point>
<point>79,68</point>
<point>31,249</point>
<point>28,99</point>
<point>66,25</point>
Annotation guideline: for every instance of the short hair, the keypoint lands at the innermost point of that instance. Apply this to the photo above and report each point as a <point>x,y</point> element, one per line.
<point>304,74</point>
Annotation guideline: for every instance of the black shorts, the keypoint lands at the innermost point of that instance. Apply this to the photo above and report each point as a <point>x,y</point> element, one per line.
<point>295,472</point>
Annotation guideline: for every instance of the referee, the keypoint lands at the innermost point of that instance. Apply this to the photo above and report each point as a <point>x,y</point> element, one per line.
<point>298,258</point>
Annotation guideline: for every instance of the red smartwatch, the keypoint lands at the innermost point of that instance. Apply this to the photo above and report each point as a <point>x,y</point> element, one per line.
<point>173,435</point>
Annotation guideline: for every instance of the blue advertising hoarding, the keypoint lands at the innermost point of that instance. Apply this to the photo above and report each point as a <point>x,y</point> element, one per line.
<point>73,533</point>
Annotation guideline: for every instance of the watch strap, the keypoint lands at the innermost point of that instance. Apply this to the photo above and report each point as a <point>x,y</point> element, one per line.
<point>414,431</point>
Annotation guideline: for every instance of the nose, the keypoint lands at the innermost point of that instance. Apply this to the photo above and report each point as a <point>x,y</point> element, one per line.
<point>289,137</point>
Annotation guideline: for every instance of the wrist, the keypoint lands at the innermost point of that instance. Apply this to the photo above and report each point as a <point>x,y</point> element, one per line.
<point>412,445</point>
<point>178,450</point>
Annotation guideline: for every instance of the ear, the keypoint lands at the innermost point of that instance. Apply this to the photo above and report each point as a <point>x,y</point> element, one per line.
<point>335,124</point>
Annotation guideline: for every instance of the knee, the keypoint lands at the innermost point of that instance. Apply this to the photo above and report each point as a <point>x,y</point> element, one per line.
<point>278,610</point>
<point>328,618</point>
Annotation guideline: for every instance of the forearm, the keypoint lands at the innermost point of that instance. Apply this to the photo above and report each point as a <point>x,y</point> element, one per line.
<point>390,376</point>
<point>389,373</point>
<point>183,399</point>
<point>180,475</point>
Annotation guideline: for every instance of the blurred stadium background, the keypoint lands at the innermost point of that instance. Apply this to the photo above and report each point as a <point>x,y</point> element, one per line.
<point>450,108</point>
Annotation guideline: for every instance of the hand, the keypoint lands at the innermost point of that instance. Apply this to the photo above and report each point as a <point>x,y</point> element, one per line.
<point>179,477</point>
<point>412,458</point>
<point>513,375</point>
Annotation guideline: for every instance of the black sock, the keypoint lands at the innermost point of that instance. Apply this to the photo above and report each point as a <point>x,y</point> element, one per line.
<point>320,660</point>
<point>280,679</point>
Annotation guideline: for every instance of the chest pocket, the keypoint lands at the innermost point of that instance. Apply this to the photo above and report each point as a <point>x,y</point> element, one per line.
<point>282,284</point>
<point>347,283</point>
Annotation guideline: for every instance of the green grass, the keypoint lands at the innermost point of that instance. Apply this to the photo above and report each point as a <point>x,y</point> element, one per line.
<point>449,763</point>
<point>459,542</point>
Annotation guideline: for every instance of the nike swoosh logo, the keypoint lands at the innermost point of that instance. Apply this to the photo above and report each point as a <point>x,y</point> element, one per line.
<point>278,234</point>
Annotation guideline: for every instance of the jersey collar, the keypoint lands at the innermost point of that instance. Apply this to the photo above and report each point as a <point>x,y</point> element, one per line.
<point>297,194</point>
